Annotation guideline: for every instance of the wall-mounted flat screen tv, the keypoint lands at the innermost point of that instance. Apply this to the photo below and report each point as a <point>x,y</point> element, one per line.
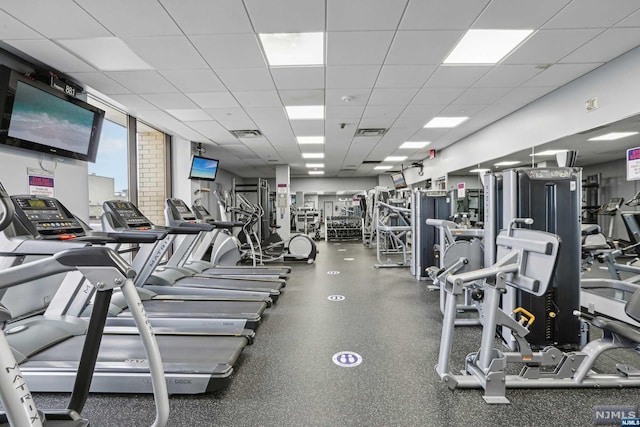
<point>398,180</point>
<point>38,117</point>
<point>203,168</point>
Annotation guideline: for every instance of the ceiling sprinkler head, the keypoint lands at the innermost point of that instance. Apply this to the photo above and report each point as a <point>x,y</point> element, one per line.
<point>347,98</point>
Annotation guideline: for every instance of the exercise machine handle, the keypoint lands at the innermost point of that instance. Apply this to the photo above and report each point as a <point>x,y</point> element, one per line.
<point>515,221</point>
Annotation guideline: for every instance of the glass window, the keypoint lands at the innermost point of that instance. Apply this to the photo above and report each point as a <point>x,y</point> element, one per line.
<point>108,176</point>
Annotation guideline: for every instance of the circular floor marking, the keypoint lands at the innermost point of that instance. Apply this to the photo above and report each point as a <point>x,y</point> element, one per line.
<point>333,272</point>
<point>347,359</point>
<point>336,298</point>
<point>349,259</point>
<point>337,244</point>
<point>342,250</point>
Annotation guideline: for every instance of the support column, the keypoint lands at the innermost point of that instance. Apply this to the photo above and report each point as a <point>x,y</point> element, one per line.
<point>283,201</point>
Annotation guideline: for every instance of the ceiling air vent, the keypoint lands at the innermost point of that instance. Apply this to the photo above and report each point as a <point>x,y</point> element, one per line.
<point>249,133</point>
<point>371,162</point>
<point>371,132</point>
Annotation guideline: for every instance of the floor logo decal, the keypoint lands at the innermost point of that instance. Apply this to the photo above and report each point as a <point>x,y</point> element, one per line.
<point>349,259</point>
<point>347,359</point>
<point>336,297</point>
<point>342,250</point>
<point>333,272</point>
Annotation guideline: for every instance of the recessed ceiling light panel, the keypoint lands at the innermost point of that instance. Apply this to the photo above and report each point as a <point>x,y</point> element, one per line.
<point>310,139</point>
<point>313,155</point>
<point>612,136</point>
<point>395,158</point>
<point>507,163</point>
<point>486,46</point>
<point>293,49</point>
<point>480,170</point>
<point>383,167</point>
<point>548,153</point>
<point>316,172</point>
<point>446,122</point>
<point>305,112</point>
<point>314,165</point>
<point>414,145</point>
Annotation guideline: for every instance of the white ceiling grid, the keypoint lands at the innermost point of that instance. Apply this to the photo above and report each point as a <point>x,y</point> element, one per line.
<point>383,68</point>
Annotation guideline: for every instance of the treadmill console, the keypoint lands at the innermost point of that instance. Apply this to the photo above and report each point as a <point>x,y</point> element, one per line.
<point>46,218</point>
<point>127,215</point>
<point>201,212</point>
<point>613,205</point>
<point>180,210</point>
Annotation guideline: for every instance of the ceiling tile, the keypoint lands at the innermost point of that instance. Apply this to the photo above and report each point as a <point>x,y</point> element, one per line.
<point>376,122</point>
<point>169,100</point>
<point>264,98</point>
<point>287,16</point>
<point>231,115</point>
<point>188,114</point>
<point>246,78</point>
<point>133,103</point>
<point>464,109</point>
<point>382,111</point>
<point>142,81</point>
<point>632,20</point>
<point>123,17</point>
<point>606,46</point>
<point>404,76</point>
<point>11,28</point>
<point>441,15</point>
<point>422,47</point>
<point>100,82</point>
<point>456,76</point>
<point>422,112</point>
<point>209,17</point>
<point>268,113</point>
<point>524,95</point>
<point>298,77</point>
<point>549,46</point>
<point>55,19</point>
<point>356,96</point>
<point>352,77</point>
<point>353,48</point>
<point>302,97</point>
<point>364,15</point>
<point>518,14</point>
<point>392,96</point>
<point>559,74</point>
<point>507,76</point>
<point>230,50</point>
<point>592,14</point>
<point>437,96</point>
<point>51,55</point>
<point>342,112</point>
<point>308,127</point>
<point>214,130</point>
<point>194,80</point>
<point>167,52</point>
<point>213,99</point>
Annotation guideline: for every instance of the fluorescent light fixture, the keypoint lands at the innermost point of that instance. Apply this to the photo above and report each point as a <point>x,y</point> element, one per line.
<point>507,163</point>
<point>486,46</point>
<point>315,165</point>
<point>445,122</point>
<point>548,153</point>
<point>310,139</point>
<point>612,136</point>
<point>383,167</point>
<point>480,170</point>
<point>106,53</point>
<point>305,112</point>
<point>313,155</point>
<point>291,49</point>
<point>395,159</point>
<point>338,193</point>
<point>414,144</point>
<point>320,193</point>
<point>316,172</point>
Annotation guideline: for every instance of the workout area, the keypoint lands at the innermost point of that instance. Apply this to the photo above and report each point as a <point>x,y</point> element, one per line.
<point>319,213</point>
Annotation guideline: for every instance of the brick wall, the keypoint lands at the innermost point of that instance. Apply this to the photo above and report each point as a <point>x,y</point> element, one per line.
<point>151,175</point>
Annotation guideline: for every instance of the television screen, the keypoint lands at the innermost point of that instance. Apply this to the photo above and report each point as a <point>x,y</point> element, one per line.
<point>398,180</point>
<point>203,168</point>
<point>40,118</point>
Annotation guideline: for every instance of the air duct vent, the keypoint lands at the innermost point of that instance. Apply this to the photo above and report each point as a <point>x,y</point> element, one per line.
<point>371,132</point>
<point>248,133</point>
<point>371,162</point>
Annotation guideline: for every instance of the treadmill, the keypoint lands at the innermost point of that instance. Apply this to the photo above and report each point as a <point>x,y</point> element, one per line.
<point>168,279</point>
<point>177,213</point>
<point>46,346</point>
<point>172,314</point>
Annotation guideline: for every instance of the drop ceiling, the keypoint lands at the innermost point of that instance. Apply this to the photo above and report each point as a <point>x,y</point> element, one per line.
<point>206,73</point>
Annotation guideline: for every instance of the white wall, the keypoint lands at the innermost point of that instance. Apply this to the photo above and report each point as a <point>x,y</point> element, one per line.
<point>311,185</point>
<point>558,114</point>
<point>71,182</point>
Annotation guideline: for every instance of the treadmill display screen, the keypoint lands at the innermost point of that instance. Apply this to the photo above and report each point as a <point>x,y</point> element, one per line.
<point>37,203</point>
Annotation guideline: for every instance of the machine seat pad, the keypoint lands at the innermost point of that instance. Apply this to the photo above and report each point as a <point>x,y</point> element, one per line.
<point>586,229</point>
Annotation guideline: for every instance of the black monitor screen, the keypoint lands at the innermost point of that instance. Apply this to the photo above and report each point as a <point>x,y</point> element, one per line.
<point>398,180</point>
<point>203,168</point>
<point>40,117</point>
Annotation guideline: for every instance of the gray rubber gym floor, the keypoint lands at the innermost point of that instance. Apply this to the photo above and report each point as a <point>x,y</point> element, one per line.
<point>287,378</point>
